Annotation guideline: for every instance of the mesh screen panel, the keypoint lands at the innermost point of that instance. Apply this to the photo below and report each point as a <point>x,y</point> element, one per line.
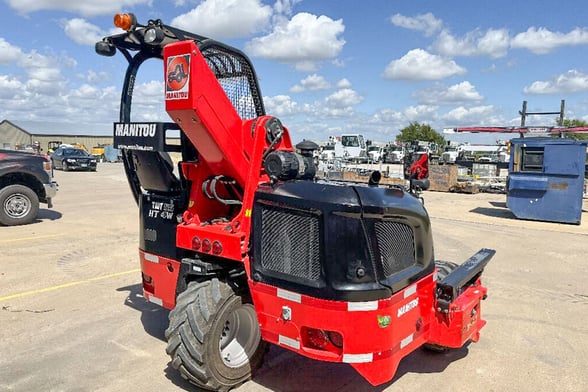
<point>290,243</point>
<point>396,245</point>
<point>237,79</point>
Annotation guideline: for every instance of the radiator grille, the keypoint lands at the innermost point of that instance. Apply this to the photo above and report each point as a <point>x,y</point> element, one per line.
<point>396,246</point>
<point>290,243</point>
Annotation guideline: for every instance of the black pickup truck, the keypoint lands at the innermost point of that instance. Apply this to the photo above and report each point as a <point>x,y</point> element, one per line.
<point>25,181</point>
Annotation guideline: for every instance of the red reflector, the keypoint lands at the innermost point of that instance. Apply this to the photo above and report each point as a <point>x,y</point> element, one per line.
<point>196,243</point>
<point>217,248</point>
<point>206,245</point>
<point>148,283</point>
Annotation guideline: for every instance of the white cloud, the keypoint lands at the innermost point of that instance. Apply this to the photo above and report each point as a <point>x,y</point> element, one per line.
<point>86,8</point>
<point>43,73</point>
<point>285,6</point>
<point>280,105</point>
<point>542,41</point>
<point>440,94</point>
<point>479,115</point>
<point>388,116</point>
<point>82,32</point>
<point>305,41</point>
<point>9,54</point>
<point>344,98</point>
<point>311,83</point>
<point>572,81</point>
<point>418,64</point>
<point>427,23</point>
<point>421,113</point>
<point>9,86</point>
<point>221,19</point>
<point>344,83</point>
<point>492,43</point>
<point>389,120</point>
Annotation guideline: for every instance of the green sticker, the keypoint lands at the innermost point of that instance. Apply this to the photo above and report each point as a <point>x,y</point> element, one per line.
<point>383,321</point>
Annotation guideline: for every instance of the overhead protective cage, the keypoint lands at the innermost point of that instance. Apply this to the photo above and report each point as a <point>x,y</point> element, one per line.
<point>237,78</point>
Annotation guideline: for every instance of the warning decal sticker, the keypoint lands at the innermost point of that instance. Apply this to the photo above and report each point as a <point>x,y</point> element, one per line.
<point>178,77</point>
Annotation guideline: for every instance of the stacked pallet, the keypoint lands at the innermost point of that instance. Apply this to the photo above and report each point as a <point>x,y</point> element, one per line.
<point>442,177</point>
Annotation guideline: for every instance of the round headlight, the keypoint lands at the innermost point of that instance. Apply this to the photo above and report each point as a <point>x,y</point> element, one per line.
<point>153,35</point>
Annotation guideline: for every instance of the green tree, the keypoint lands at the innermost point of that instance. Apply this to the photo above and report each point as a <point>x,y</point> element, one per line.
<point>423,132</point>
<point>574,123</point>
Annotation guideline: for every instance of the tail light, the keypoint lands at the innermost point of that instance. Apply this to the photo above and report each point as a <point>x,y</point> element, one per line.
<point>206,245</point>
<point>196,243</point>
<point>217,248</point>
<point>319,339</point>
<point>148,283</point>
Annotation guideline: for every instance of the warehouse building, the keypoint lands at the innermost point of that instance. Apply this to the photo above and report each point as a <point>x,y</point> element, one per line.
<point>13,137</point>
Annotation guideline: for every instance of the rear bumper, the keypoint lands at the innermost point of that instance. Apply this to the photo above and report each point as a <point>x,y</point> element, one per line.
<point>160,278</point>
<point>375,335</point>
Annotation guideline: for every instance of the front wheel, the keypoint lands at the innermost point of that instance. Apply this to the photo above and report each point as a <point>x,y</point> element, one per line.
<point>213,336</point>
<point>19,205</point>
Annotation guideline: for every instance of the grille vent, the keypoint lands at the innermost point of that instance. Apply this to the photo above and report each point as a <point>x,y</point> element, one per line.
<point>396,246</point>
<point>290,243</point>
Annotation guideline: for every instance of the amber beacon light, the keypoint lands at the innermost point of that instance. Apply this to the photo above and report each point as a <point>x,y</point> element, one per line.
<point>126,22</point>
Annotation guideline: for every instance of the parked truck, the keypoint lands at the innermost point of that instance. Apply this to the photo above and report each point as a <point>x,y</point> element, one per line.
<point>26,179</point>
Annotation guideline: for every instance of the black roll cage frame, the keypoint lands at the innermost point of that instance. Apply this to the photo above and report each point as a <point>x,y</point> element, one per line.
<point>134,41</point>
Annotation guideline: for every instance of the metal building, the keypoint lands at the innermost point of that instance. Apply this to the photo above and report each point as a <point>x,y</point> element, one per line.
<point>13,137</point>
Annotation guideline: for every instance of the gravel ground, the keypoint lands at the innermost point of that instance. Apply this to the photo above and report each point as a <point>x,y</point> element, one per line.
<point>73,319</point>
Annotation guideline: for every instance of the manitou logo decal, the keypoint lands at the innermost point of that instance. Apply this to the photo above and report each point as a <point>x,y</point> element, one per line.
<point>177,78</point>
<point>408,307</point>
<point>140,136</point>
<point>135,129</point>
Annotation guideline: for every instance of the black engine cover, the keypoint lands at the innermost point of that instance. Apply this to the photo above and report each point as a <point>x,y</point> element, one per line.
<point>339,241</point>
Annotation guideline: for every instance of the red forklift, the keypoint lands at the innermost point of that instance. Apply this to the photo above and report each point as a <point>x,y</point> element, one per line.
<point>246,246</point>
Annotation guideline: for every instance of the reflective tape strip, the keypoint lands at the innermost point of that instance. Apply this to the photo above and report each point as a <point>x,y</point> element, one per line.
<point>358,358</point>
<point>286,341</point>
<point>289,295</point>
<point>362,306</point>
<point>155,300</point>
<point>406,341</point>
<point>151,258</point>
<point>410,291</point>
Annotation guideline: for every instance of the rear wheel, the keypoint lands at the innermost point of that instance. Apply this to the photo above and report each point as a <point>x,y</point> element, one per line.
<point>19,205</point>
<point>213,336</point>
<point>444,268</point>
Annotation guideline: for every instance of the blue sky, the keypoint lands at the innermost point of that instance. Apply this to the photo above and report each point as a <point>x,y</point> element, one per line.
<point>325,67</point>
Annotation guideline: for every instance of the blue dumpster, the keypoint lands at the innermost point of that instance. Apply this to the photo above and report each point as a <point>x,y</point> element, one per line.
<point>546,179</point>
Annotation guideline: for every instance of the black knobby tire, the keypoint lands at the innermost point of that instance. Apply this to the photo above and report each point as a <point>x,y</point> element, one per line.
<point>444,268</point>
<point>19,205</point>
<point>213,336</point>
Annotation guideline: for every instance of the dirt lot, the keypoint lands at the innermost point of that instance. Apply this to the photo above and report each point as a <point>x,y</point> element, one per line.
<point>72,317</point>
